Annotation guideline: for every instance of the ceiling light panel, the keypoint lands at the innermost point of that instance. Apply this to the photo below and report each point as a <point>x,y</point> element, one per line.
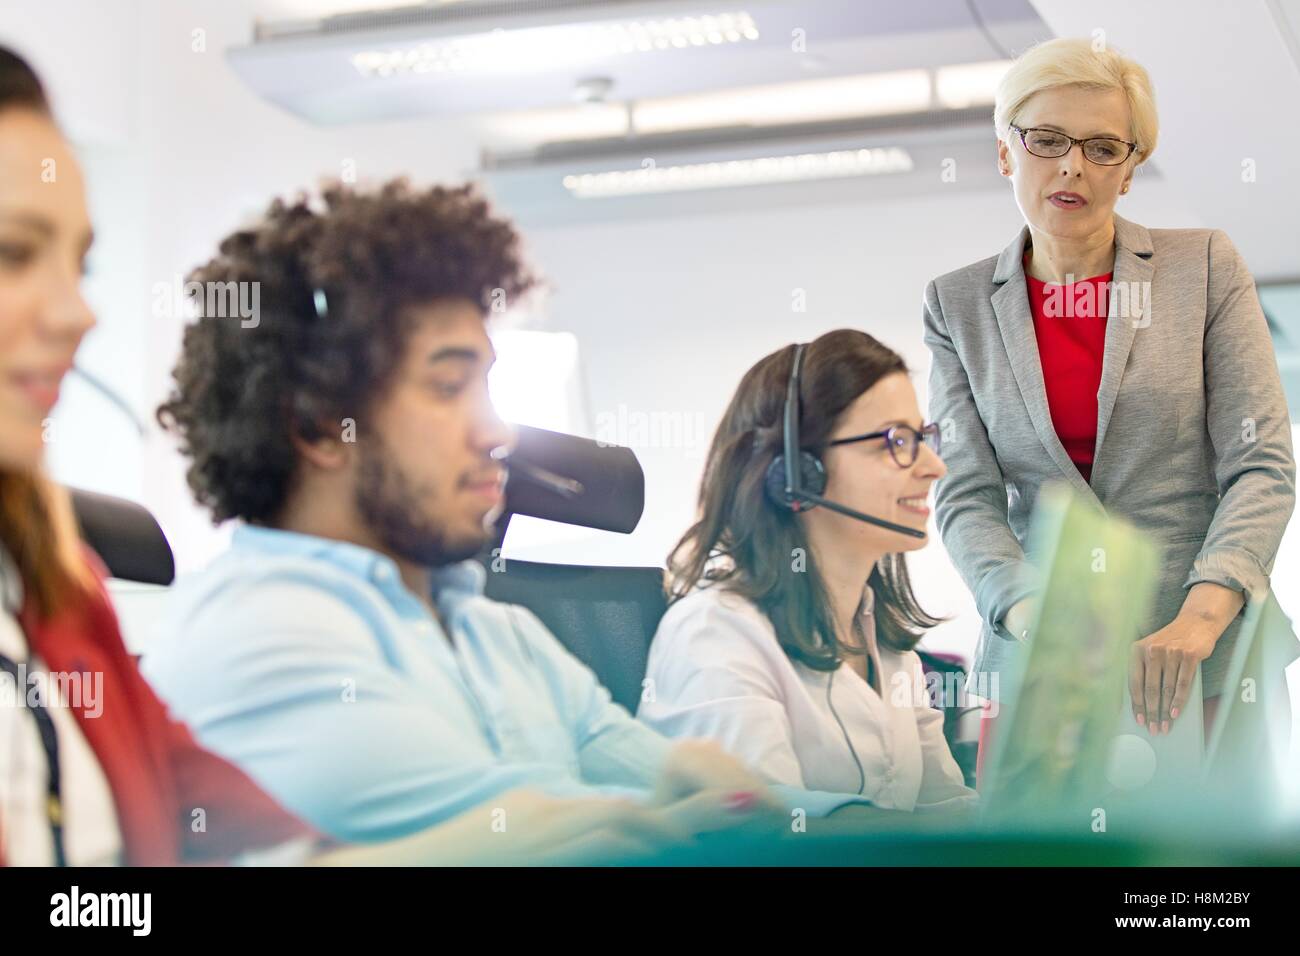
<point>762,170</point>
<point>555,47</point>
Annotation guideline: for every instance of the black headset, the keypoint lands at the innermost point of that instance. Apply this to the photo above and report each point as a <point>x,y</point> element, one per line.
<point>799,487</point>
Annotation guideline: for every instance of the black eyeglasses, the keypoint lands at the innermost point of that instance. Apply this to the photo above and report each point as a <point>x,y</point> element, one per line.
<point>903,442</point>
<point>1052,144</point>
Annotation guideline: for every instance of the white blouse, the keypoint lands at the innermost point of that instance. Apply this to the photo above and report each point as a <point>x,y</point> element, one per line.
<point>716,670</point>
<point>90,831</point>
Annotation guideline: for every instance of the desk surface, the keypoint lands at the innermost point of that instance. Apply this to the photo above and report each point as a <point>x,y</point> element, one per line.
<point>920,842</point>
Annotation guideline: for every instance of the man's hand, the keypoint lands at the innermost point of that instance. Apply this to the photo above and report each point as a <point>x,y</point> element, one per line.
<point>715,811</point>
<point>694,766</point>
<point>529,828</point>
<point>543,830</point>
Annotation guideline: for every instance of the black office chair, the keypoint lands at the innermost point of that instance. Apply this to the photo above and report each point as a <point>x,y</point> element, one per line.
<point>605,616</point>
<point>126,537</point>
<point>950,670</point>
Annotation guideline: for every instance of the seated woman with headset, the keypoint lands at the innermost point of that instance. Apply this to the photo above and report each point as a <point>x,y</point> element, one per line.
<point>789,638</point>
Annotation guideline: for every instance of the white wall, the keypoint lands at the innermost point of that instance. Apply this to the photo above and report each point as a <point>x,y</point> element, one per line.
<point>1224,74</point>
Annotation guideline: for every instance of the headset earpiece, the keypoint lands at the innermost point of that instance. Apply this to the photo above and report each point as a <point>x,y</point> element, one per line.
<point>812,479</point>
<point>799,483</point>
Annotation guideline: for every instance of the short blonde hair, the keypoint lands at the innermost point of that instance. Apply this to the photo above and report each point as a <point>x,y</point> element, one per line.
<point>1079,62</point>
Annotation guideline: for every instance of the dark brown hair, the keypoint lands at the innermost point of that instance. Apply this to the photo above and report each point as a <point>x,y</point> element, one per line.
<point>242,394</point>
<point>20,87</point>
<point>743,542</point>
<point>37,526</point>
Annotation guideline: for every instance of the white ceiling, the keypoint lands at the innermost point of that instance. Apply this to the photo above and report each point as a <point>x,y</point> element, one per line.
<point>1227,77</point>
<point>311,74</point>
<point>296,9</point>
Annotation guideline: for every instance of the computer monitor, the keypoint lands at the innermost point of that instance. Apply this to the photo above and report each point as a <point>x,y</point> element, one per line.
<point>1246,760</point>
<point>1062,697</point>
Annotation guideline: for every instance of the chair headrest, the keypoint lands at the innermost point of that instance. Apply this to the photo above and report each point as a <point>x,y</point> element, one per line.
<point>583,482</point>
<point>125,536</point>
<point>599,486</point>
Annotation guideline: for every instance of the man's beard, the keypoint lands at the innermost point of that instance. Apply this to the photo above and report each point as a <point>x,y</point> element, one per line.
<point>392,506</point>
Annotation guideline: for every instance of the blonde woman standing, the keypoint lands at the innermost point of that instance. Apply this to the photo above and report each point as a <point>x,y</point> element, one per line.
<point>1133,364</point>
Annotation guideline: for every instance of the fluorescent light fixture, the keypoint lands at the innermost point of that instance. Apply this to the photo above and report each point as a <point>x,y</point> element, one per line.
<point>774,104</point>
<point>542,48</point>
<point>965,85</point>
<point>875,94</point>
<point>567,123</point>
<point>838,164</point>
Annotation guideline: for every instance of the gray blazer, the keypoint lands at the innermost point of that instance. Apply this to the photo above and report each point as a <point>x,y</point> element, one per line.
<point>1193,434</point>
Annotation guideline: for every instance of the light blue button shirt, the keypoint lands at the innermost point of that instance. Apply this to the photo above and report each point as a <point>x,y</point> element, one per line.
<point>309,664</point>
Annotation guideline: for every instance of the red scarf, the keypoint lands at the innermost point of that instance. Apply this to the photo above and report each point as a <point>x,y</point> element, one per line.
<point>158,773</point>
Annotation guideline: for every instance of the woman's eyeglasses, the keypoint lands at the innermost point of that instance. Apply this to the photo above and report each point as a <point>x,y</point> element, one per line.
<point>1052,144</point>
<point>903,441</point>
